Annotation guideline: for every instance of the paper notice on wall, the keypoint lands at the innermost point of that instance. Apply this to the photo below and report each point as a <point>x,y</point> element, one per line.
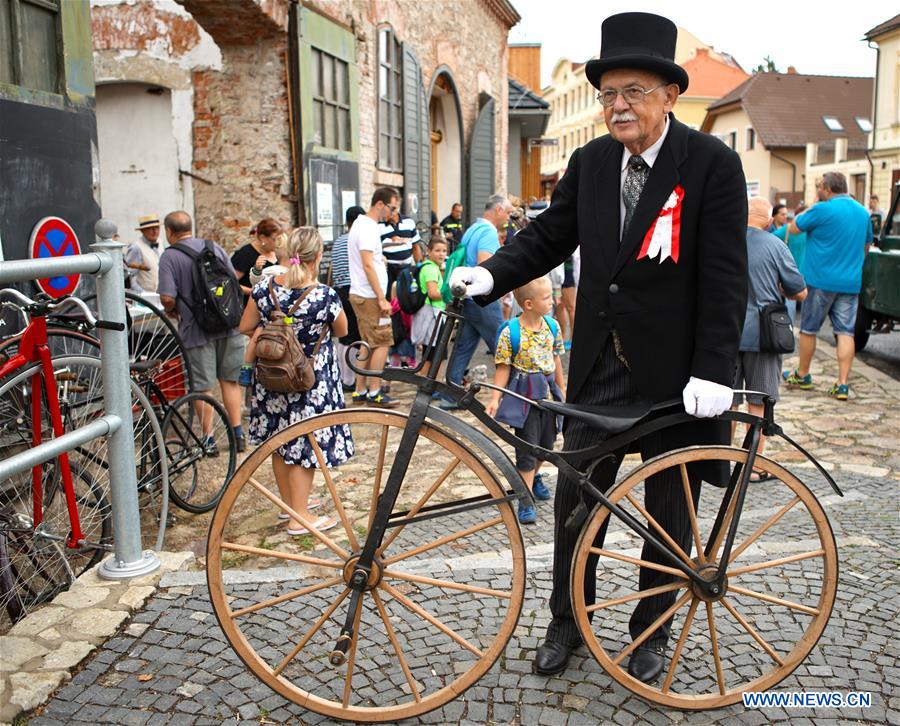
<point>348,199</point>
<point>327,233</point>
<point>324,206</point>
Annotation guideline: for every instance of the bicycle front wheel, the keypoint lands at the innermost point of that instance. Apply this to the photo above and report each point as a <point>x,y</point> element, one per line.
<point>35,564</point>
<point>780,583</point>
<point>80,392</point>
<point>201,450</point>
<point>445,592</point>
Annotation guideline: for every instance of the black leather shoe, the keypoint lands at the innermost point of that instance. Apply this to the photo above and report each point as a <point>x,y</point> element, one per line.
<point>646,663</point>
<point>552,657</point>
<point>240,443</point>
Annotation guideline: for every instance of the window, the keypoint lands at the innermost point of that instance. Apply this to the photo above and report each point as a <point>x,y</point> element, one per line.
<point>331,101</point>
<point>390,104</point>
<point>832,123</point>
<point>732,140</point>
<point>29,44</point>
<point>751,139</point>
<point>864,124</point>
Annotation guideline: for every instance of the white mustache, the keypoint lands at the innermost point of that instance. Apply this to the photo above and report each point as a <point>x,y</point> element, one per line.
<point>620,117</point>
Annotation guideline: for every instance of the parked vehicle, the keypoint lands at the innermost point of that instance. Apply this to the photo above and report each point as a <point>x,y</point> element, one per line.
<point>879,298</point>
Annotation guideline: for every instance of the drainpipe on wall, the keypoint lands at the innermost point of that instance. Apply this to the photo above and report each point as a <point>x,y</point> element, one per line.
<point>292,81</point>
<point>793,170</point>
<point>877,50</point>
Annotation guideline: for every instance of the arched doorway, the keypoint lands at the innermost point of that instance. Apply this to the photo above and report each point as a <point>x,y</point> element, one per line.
<point>446,143</point>
<point>138,154</point>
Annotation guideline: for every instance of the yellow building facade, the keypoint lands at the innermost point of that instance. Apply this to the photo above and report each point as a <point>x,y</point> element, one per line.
<point>576,116</point>
<point>885,149</point>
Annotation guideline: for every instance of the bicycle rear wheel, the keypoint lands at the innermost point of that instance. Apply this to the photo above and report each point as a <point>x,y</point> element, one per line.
<point>445,594</point>
<point>152,336</point>
<point>778,596</point>
<point>201,451</point>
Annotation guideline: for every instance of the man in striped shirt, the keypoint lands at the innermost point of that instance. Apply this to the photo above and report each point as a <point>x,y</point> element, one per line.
<point>400,245</point>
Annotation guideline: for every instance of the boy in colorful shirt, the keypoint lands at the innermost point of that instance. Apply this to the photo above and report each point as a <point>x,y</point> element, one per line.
<point>528,363</point>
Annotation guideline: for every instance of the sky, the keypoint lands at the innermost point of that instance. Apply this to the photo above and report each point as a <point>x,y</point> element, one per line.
<point>806,35</point>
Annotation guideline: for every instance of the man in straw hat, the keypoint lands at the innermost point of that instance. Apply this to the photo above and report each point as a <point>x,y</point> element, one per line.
<point>660,213</point>
<point>143,255</point>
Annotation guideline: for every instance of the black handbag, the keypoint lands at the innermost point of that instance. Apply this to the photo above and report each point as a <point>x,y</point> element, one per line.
<point>776,330</point>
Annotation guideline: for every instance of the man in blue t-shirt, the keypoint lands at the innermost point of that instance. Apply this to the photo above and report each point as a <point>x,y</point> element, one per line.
<point>838,229</point>
<point>482,242</point>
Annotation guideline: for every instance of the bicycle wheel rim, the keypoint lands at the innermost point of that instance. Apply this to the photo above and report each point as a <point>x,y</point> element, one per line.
<point>484,618</point>
<point>201,454</point>
<point>714,631</point>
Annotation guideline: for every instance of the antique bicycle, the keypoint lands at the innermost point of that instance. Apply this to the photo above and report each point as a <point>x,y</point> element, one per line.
<point>55,520</point>
<point>414,598</point>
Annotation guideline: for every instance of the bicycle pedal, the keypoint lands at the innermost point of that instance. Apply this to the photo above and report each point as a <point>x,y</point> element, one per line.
<point>66,376</point>
<point>339,655</point>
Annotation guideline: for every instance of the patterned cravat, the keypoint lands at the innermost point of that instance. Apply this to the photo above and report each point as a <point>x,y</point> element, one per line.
<point>635,178</point>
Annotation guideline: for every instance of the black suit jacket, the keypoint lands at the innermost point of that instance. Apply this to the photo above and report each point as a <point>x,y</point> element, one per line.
<point>674,320</point>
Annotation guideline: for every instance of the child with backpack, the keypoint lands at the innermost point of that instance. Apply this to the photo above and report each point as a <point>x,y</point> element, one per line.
<point>316,316</point>
<point>430,281</point>
<point>528,363</point>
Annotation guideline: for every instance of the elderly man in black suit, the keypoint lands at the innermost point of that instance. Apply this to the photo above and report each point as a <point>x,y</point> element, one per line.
<point>660,212</point>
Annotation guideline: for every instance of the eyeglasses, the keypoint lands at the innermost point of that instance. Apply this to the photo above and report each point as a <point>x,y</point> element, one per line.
<point>632,94</point>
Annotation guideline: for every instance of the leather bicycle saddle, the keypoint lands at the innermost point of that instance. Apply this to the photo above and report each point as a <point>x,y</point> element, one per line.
<point>611,419</point>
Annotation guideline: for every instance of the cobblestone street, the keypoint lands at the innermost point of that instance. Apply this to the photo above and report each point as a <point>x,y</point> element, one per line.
<point>170,663</point>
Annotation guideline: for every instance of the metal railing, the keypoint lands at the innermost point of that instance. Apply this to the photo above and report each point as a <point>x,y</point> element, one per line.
<point>128,559</point>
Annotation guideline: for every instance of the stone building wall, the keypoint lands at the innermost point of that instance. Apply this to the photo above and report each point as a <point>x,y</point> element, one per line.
<point>242,143</point>
<point>230,96</point>
<point>468,39</point>
<point>230,116</point>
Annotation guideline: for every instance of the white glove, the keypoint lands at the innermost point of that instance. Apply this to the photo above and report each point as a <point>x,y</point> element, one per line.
<point>478,281</point>
<point>705,399</point>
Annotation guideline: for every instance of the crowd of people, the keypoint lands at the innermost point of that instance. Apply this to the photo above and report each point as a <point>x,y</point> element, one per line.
<point>671,311</point>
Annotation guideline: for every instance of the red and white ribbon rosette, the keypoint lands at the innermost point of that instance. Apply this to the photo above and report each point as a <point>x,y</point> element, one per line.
<point>664,236</point>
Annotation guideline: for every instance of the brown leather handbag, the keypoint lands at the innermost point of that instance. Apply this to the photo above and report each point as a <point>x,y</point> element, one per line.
<point>281,364</point>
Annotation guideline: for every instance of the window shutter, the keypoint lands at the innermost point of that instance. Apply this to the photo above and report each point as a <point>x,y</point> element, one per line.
<point>416,142</point>
<point>481,162</point>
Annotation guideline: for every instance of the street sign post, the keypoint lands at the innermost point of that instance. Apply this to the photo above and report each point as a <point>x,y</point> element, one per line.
<point>54,237</point>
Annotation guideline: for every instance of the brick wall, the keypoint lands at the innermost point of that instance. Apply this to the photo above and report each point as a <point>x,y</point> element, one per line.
<point>466,38</point>
<point>242,143</point>
<point>238,131</point>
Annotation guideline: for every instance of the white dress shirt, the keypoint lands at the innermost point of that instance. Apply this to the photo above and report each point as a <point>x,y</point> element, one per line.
<point>649,156</point>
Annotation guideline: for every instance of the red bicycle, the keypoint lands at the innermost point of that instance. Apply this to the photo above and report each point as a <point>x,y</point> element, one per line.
<point>56,523</point>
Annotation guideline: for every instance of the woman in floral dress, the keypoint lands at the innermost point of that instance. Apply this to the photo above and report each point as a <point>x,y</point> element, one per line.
<point>295,463</point>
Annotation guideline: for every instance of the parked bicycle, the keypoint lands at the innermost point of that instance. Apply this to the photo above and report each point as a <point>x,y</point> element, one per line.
<point>200,443</point>
<point>55,523</point>
<point>414,599</point>
<point>151,337</point>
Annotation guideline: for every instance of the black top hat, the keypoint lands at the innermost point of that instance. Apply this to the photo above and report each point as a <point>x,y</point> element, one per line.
<point>638,40</point>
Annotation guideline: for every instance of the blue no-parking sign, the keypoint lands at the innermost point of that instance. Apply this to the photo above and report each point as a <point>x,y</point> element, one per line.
<point>54,237</point>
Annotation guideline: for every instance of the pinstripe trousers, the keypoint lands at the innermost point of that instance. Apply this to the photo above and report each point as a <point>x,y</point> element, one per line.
<point>610,383</point>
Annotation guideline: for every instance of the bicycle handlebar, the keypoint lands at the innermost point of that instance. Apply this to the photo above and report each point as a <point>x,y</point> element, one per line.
<point>45,306</point>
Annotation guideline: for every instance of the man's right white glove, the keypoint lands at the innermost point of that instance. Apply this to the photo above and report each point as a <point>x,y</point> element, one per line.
<point>706,399</point>
<point>478,281</point>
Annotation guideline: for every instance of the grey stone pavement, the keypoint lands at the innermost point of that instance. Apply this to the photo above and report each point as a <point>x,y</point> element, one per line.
<point>170,663</point>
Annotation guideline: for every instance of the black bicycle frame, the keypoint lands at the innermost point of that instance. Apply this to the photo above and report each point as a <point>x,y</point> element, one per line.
<point>465,398</point>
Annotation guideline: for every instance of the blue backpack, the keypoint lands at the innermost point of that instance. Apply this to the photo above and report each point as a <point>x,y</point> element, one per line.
<point>515,332</point>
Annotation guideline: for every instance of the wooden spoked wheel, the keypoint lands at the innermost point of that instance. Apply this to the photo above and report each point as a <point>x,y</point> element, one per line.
<point>445,593</point>
<point>780,588</point>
